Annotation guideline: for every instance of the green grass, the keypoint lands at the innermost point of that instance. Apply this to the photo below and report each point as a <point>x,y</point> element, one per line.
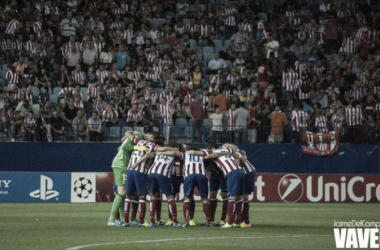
<point>275,226</point>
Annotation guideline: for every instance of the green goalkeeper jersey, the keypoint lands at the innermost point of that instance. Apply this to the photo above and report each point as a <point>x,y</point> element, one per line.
<point>124,153</point>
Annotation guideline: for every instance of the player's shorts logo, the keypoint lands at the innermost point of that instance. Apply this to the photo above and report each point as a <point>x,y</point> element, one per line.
<point>290,188</point>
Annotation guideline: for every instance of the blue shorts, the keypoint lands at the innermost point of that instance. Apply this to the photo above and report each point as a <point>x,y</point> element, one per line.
<point>176,183</point>
<point>236,183</point>
<point>136,183</point>
<point>250,182</point>
<point>159,183</point>
<point>217,181</point>
<point>196,180</point>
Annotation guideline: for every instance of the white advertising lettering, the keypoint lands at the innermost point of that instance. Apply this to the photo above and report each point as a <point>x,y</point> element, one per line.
<point>5,183</point>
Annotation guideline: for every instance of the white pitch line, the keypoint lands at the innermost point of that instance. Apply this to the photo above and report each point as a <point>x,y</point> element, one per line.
<point>181,239</point>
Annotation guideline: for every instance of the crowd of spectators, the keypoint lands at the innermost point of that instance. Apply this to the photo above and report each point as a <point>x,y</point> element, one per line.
<point>259,72</point>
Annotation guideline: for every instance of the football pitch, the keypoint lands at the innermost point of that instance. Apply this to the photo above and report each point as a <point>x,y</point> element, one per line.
<point>83,226</point>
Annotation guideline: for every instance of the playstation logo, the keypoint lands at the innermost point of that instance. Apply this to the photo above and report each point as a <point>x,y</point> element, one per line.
<point>290,188</point>
<point>46,191</point>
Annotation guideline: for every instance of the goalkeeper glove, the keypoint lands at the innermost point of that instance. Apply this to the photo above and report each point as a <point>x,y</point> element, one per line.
<point>141,148</point>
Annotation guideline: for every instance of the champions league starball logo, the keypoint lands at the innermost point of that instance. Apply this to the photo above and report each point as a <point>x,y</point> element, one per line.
<point>83,188</point>
<point>290,188</point>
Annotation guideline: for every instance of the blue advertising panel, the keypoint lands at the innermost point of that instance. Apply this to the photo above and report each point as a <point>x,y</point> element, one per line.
<point>35,187</point>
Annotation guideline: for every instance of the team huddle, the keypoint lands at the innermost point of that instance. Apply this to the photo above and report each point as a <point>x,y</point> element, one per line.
<point>144,165</point>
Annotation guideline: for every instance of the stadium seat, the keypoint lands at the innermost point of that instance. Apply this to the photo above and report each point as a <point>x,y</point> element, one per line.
<point>208,50</point>
<point>197,49</point>
<point>56,90</point>
<point>35,91</point>
<point>185,21</point>
<point>180,129</point>
<point>217,43</point>
<point>160,21</point>
<point>169,14</point>
<point>53,98</point>
<point>125,129</point>
<point>227,44</point>
<point>84,90</point>
<point>159,90</point>
<point>114,132</point>
<point>193,43</point>
<point>36,109</point>
<point>106,131</point>
<point>2,82</point>
<point>207,57</point>
<point>262,16</point>
<point>126,21</point>
<point>229,64</point>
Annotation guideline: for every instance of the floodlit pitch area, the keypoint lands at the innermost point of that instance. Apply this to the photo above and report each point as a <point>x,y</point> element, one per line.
<point>83,226</point>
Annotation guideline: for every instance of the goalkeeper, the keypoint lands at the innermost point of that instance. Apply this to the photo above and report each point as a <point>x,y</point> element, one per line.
<point>119,167</point>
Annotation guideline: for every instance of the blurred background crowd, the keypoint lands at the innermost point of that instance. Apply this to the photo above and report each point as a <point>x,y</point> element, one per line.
<point>232,70</point>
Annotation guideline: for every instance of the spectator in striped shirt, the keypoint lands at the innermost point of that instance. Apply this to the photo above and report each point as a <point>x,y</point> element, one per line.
<point>300,122</point>
<point>354,120</point>
<point>29,126</point>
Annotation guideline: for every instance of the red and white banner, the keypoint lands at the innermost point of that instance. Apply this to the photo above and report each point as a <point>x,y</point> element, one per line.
<point>317,188</point>
<point>321,144</point>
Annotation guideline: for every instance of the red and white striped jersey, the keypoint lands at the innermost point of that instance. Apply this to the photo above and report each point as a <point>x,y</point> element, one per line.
<point>354,115</point>
<point>133,114</point>
<point>79,105</point>
<point>179,29</point>
<point>37,27</point>
<point>230,117</point>
<point>300,83</point>
<point>169,96</point>
<point>357,93</point>
<point>163,165</point>
<point>30,123</point>
<point>153,76</point>
<point>321,124</point>
<point>301,66</point>
<point>92,91</point>
<point>192,28</point>
<point>359,33</point>
<point>193,164</point>
<point>180,72</point>
<point>248,167</point>
<point>30,46</point>
<point>165,112</point>
<point>151,96</point>
<point>300,120</point>
<point>12,27</point>
<point>318,70</point>
<point>233,80</point>
<point>337,122</point>
<point>136,155</point>
<point>225,162</point>
<point>116,25</point>
<point>247,27</point>
<point>349,46</point>
<point>206,30</point>
<point>101,75</point>
<point>78,76</point>
<point>157,69</point>
<point>289,80</point>
<point>229,18</point>
<point>164,62</point>
<point>11,77</point>
<point>100,106</point>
